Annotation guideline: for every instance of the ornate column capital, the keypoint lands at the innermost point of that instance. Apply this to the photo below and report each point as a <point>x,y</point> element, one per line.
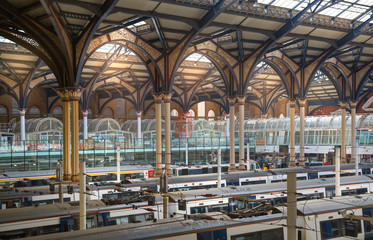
<point>226,114</point>
<point>353,103</point>
<point>22,111</point>
<point>167,96</point>
<point>292,103</point>
<point>157,97</point>
<point>343,104</point>
<point>302,102</point>
<point>138,113</point>
<point>70,94</point>
<point>85,112</point>
<point>232,100</point>
<point>241,99</point>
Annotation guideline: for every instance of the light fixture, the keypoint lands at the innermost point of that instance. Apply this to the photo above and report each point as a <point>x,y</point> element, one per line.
<point>256,5</point>
<point>332,20</point>
<point>16,47</point>
<point>265,10</point>
<point>195,64</point>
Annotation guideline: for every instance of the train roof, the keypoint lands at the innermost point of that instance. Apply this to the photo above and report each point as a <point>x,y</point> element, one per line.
<point>30,174</point>
<point>335,204</point>
<point>50,210</point>
<point>161,228</point>
<point>232,191</point>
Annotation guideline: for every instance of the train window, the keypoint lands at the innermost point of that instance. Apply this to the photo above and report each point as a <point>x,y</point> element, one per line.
<point>90,222</point>
<point>258,182</point>
<point>335,228</point>
<point>218,208</point>
<point>273,234</point>
<point>197,210</point>
<point>213,235</point>
<point>50,229</point>
<point>119,220</point>
<point>138,218</point>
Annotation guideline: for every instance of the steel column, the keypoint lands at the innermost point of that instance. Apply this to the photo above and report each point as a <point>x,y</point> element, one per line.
<point>302,108</point>
<point>167,125</point>
<point>292,134</point>
<point>241,108</point>
<point>232,166</point>
<point>158,134</point>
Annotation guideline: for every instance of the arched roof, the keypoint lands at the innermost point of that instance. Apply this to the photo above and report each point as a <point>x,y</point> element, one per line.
<point>212,49</point>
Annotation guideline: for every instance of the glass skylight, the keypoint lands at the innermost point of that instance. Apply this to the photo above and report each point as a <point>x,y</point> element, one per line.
<point>5,40</point>
<point>347,9</point>
<point>110,48</point>
<point>196,57</point>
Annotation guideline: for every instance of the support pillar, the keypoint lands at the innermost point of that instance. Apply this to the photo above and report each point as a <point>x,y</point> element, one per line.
<point>353,131</point>
<point>292,134</point>
<point>85,124</point>
<point>292,205</point>
<point>343,134</point>
<point>227,124</point>
<point>82,198</point>
<point>22,114</point>
<point>75,94</point>
<point>63,93</point>
<point>167,131</point>
<point>158,134</point>
<point>302,108</point>
<point>241,109</point>
<point>139,133</point>
<point>232,165</point>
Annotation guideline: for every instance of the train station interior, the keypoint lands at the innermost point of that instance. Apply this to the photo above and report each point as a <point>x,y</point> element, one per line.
<point>175,83</point>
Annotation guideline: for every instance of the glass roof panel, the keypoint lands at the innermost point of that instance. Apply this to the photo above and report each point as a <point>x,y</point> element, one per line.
<point>196,57</point>
<point>347,9</point>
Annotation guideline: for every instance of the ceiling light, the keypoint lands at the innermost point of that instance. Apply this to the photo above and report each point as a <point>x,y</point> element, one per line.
<point>16,47</point>
<point>265,10</point>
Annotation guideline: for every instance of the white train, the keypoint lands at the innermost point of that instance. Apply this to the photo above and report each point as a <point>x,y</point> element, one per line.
<point>28,196</point>
<point>38,220</point>
<point>316,219</point>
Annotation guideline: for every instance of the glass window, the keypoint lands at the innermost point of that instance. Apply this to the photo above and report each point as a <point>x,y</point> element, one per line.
<point>273,234</point>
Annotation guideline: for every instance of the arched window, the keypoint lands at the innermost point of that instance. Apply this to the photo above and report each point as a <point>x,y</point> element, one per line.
<point>3,111</point>
<point>191,113</point>
<point>108,112</point>
<point>34,112</point>
<point>132,113</point>
<point>150,113</point>
<point>57,111</point>
<point>211,115</point>
<point>174,113</point>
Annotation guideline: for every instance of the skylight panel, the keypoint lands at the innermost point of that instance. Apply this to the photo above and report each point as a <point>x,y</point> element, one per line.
<point>266,2</point>
<point>5,40</point>
<point>347,9</point>
<point>196,57</point>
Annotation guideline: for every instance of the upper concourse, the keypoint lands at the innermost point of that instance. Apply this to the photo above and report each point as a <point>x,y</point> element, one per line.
<point>266,51</point>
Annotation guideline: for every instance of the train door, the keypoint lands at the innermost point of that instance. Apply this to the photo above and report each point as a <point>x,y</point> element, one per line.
<point>66,224</point>
<point>151,174</point>
<point>366,171</point>
<point>312,175</point>
<point>27,201</point>
<point>329,192</point>
<point>233,182</point>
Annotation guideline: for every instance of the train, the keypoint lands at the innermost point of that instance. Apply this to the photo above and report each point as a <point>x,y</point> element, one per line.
<point>120,207</point>
<point>338,217</point>
<point>29,195</point>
